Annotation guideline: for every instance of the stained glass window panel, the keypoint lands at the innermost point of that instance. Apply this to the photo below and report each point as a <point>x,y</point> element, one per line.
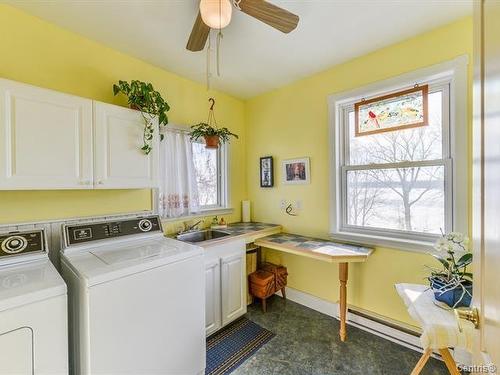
<point>414,144</point>
<point>404,109</point>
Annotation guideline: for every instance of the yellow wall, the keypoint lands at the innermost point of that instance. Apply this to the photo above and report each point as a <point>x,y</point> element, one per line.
<point>42,54</point>
<point>286,123</point>
<point>292,121</point>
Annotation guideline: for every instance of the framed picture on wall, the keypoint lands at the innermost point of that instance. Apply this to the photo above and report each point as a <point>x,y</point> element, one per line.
<point>266,172</point>
<point>296,171</point>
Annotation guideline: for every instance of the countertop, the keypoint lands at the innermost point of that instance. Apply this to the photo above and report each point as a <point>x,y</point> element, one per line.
<point>325,250</point>
<point>249,231</point>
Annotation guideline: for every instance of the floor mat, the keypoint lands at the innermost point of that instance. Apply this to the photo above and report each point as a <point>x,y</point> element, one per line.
<point>232,345</point>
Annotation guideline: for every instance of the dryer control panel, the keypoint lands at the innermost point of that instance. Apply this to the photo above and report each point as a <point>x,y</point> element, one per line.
<point>17,243</point>
<point>94,231</point>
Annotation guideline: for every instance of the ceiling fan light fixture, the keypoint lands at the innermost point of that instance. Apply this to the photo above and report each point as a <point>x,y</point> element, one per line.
<point>216,14</point>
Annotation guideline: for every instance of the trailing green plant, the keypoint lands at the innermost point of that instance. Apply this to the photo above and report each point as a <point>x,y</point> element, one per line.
<point>454,255</point>
<point>143,97</point>
<point>205,130</point>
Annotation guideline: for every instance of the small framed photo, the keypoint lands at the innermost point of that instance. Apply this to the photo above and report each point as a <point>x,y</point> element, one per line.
<point>296,171</point>
<point>266,172</point>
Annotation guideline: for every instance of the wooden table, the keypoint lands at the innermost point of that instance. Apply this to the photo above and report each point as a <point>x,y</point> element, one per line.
<point>327,251</point>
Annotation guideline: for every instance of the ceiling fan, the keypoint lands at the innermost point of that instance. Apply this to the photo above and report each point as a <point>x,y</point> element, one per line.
<point>216,14</point>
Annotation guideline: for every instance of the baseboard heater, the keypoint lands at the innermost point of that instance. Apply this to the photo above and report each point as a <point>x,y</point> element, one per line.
<point>396,333</point>
<point>383,328</point>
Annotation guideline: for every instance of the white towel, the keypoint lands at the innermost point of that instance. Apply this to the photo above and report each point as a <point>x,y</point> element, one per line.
<point>439,325</point>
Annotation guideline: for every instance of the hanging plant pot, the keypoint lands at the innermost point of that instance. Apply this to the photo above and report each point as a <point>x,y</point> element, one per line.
<point>213,135</point>
<point>211,141</point>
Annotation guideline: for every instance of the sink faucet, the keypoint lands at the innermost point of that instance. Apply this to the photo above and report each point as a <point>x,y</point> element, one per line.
<point>191,227</point>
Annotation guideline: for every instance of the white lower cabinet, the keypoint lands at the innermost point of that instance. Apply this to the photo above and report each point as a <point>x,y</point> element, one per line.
<point>212,296</point>
<point>233,287</point>
<point>226,284</point>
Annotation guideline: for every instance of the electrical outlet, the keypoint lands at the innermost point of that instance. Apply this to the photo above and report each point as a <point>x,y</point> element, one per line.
<point>283,204</point>
<point>298,205</point>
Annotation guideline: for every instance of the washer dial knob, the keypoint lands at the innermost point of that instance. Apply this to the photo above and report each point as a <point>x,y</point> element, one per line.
<point>145,225</point>
<point>14,244</point>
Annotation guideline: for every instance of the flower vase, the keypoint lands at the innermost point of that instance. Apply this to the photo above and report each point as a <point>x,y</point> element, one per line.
<point>454,295</point>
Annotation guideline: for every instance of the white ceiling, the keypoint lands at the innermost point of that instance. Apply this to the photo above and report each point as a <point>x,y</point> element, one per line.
<point>255,57</point>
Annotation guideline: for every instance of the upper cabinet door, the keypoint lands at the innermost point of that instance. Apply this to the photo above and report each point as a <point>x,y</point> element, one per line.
<point>119,162</point>
<point>45,137</point>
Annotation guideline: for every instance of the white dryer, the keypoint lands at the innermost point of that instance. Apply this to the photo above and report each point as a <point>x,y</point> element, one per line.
<point>137,299</point>
<point>33,308</point>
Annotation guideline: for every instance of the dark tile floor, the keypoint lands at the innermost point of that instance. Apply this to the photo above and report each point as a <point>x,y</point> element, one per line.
<point>307,343</point>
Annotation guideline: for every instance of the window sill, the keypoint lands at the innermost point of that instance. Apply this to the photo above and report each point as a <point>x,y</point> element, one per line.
<point>204,213</point>
<point>382,241</point>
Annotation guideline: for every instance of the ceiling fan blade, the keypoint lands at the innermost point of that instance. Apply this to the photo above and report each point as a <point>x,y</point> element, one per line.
<point>274,16</point>
<point>198,36</point>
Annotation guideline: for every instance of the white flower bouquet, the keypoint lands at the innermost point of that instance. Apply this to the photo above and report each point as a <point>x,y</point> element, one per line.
<point>453,283</point>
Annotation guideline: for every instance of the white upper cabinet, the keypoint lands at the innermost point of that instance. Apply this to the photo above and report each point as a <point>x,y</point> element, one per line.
<point>50,140</point>
<point>46,139</point>
<point>119,162</point>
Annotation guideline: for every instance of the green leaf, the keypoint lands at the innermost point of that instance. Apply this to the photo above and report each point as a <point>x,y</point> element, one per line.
<point>143,95</point>
<point>464,260</point>
<point>441,260</point>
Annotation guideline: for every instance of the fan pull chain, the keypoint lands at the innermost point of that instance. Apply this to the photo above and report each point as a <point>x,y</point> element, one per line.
<point>219,40</point>
<point>208,61</point>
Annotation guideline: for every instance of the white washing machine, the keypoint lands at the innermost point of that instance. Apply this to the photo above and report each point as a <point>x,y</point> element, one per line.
<point>33,308</point>
<point>137,299</point>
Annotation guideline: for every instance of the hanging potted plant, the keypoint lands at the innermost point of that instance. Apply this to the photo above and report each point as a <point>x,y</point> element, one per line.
<point>213,135</point>
<point>143,97</point>
<point>452,284</point>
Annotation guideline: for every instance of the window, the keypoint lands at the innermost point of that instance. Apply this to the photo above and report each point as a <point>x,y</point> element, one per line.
<point>207,165</point>
<point>193,180</point>
<point>396,187</point>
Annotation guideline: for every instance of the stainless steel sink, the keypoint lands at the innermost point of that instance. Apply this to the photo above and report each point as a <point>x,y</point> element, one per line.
<point>201,235</point>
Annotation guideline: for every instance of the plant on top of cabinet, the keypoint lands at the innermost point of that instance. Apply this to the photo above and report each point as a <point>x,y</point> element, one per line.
<point>213,135</point>
<point>143,97</point>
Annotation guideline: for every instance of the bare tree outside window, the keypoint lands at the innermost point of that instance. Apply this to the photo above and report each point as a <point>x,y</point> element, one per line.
<point>398,182</point>
<point>206,170</point>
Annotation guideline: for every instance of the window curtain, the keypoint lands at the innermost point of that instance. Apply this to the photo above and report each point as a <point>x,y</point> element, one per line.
<point>178,188</point>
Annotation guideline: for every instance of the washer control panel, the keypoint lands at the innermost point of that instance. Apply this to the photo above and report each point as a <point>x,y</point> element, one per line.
<point>16,243</point>
<point>95,231</point>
